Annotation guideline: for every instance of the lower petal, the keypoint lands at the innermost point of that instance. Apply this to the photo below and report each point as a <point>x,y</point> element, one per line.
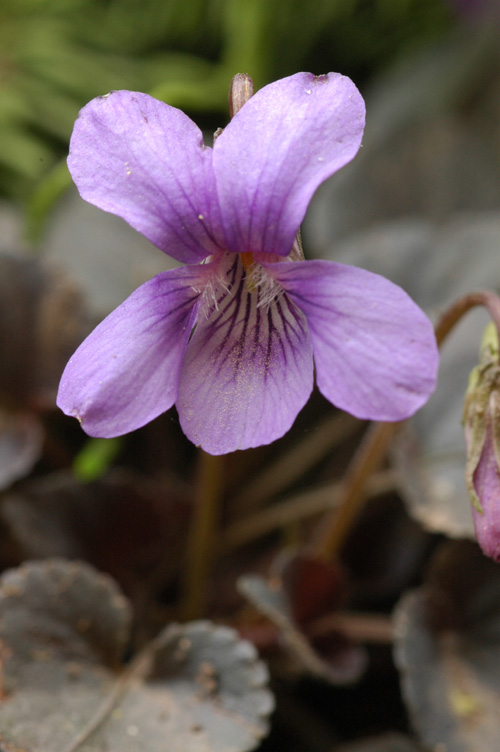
<point>127,371</point>
<point>374,348</point>
<point>247,372</point>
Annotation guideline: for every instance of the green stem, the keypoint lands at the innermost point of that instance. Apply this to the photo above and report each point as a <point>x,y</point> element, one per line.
<point>202,535</point>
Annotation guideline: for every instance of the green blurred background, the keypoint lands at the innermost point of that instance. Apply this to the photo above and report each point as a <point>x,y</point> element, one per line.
<point>55,55</point>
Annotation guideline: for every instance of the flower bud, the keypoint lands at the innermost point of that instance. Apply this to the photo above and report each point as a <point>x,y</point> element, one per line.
<point>482,434</point>
<point>240,92</point>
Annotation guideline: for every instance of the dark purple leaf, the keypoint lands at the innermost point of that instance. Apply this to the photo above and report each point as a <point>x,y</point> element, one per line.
<point>63,628</point>
<point>339,662</point>
<point>21,441</point>
<point>447,648</point>
<point>122,523</point>
<point>42,321</point>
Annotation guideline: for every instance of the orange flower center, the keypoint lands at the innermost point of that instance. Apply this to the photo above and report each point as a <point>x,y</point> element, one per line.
<point>247,259</point>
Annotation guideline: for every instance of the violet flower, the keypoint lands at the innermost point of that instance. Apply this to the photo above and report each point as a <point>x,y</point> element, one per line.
<point>487,488</point>
<point>482,435</point>
<point>231,336</point>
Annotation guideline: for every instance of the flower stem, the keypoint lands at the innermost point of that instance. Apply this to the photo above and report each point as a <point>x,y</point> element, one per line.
<point>334,528</point>
<point>296,509</point>
<point>454,313</point>
<point>358,627</point>
<point>202,534</point>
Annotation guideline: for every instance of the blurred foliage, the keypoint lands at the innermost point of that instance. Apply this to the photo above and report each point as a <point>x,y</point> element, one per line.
<point>55,55</point>
<point>95,458</point>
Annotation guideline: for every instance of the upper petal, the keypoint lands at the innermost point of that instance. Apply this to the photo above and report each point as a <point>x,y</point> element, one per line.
<point>127,370</point>
<point>145,161</point>
<point>374,348</point>
<point>248,369</point>
<point>285,141</point>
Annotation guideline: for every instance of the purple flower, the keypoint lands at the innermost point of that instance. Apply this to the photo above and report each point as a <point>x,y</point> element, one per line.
<point>233,336</point>
<point>486,481</point>
<point>482,435</point>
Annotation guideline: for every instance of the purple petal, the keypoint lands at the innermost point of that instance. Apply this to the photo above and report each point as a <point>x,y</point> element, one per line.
<point>145,161</point>
<point>127,371</point>
<point>487,487</point>
<point>284,142</point>
<point>374,349</point>
<point>247,372</point>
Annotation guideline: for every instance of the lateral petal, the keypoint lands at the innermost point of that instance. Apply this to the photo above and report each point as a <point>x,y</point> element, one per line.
<point>374,349</point>
<point>248,369</point>
<point>127,370</point>
<point>145,161</point>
